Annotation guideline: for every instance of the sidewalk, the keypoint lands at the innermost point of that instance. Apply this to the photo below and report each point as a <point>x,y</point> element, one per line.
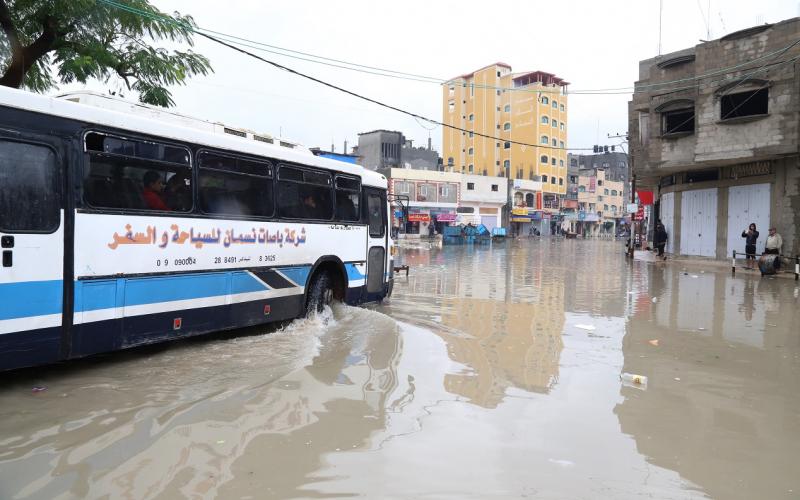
<point>706,262</point>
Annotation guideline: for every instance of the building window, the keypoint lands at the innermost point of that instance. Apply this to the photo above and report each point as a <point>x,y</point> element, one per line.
<point>613,192</point>
<point>471,151</point>
<point>552,180</point>
<point>560,181</point>
<point>471,168</point>
<point>506,145</point>
<point>613,208</point>
<point>544,178</point>
<point>507,109</point>
<point>605,207</point>
<point>452,90</point>
<point>494,187</point>
<point>555,143</point>
<point>545,140</point>
<point>599,182</point>
<point>544,159</point>
<point>555,104</point>
<point>605,191</point>
<point>451,106</point>
<point>484,172</point>
<point>555,123</point>
<point>472,90</point>
<point>470,186</point>
<point>677,117</point>
<point>562,108</point>
<point>560,163</point>
<point>752,103</point>
<point>581,189</point>
<point>498,92</point>
<point>471,117</point>
<point>621,164</point>
<point>506,164</point>
<point>553,161</point>
<point>450,161</point>
<point>497,145</point>
<point>561,144</point>
<point>562,125</point>
<point>545,120</point>
<point>506,126</point>
<point>471,135</point>
<point>545,100</point>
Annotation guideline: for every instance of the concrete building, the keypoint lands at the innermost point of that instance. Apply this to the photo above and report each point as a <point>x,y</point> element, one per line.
<point>714,132</point>
<point>600,204</point>
<point>615,164</point>
<point>529,108</point>
<point>443,198</point>
<point>381,150</point>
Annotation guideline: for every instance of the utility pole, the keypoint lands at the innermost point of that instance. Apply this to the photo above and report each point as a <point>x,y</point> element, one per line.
<point>633,188</point>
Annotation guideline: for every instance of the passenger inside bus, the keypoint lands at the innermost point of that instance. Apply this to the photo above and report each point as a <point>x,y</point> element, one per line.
<point>179,193</point>
<point>153,191</point>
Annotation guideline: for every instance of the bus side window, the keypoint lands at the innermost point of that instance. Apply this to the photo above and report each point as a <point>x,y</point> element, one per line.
<point>136,174</point>
<point>348,194</point>
<point>304,194</point>
<point>375,212</point>
<point>28,188</point>
<point>235,186</point>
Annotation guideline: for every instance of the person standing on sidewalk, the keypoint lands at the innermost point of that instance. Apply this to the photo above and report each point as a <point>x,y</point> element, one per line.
<point>751,237</point>
<point>660,240</point>
<point>773,245</point>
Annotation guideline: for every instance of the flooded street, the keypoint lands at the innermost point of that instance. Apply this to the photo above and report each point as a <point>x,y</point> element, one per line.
<point>492,372</point>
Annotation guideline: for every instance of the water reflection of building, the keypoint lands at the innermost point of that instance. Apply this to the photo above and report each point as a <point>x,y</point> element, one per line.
<point>721,407</point>
<point>503,320</point>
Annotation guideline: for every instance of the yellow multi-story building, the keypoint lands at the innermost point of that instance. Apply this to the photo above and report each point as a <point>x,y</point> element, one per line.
<point>528,108</point>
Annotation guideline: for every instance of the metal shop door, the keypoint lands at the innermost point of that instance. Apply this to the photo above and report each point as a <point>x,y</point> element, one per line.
<point>699,222</point>
<point>489,221</point>
<point>747,204</point>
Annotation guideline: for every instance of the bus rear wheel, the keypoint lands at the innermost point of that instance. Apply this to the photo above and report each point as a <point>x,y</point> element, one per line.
<point>320,293</point>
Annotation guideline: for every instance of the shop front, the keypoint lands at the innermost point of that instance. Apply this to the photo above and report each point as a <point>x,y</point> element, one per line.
<point>442,218</point>
<point>417,222</point>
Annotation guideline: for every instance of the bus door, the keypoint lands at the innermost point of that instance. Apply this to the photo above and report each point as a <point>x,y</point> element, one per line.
<point>32,247</point>
<point>376,243</point>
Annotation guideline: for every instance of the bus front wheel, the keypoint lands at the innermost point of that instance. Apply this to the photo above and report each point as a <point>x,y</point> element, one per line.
<point>320,293</point>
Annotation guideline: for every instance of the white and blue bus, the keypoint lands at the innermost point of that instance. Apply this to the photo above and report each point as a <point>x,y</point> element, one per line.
<point>124,225</point>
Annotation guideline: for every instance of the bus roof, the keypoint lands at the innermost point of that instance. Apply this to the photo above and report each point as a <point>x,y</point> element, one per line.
<point>91,107</point>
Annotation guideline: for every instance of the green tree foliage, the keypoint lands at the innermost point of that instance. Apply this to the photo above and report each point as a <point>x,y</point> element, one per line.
<point>46,42</point>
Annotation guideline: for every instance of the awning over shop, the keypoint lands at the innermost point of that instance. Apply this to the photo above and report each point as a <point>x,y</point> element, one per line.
<point>645,197</point>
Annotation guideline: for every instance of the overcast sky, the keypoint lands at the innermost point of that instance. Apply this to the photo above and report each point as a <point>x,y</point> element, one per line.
<point>591,44</point>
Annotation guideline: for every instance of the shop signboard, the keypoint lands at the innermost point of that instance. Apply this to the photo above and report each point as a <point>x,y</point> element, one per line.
<point>419,218</point>
<point>519,211</point>
<point>446,217</point>
<point>639,213</point>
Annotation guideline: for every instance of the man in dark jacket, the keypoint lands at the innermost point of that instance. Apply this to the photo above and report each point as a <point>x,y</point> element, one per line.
<point>660,240</point>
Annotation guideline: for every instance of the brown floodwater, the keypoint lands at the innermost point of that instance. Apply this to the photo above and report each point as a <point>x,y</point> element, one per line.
<point>493,372</point>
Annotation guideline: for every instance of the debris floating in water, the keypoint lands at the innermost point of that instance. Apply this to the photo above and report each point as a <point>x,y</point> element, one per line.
<point>590,328</point>
<point>38,388</point>
<point>653,342</point>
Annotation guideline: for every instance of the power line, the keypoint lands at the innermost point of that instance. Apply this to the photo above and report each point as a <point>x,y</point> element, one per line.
<point>375,101</point>
<point>373,70</point>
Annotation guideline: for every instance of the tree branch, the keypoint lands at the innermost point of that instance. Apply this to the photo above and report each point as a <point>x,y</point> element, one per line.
<point>8,28</point>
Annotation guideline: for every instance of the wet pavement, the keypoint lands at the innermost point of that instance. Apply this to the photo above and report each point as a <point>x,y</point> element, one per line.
<point>493,372</point>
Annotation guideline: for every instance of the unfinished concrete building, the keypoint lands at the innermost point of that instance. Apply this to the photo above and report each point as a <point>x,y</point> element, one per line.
<point>714,132</point>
